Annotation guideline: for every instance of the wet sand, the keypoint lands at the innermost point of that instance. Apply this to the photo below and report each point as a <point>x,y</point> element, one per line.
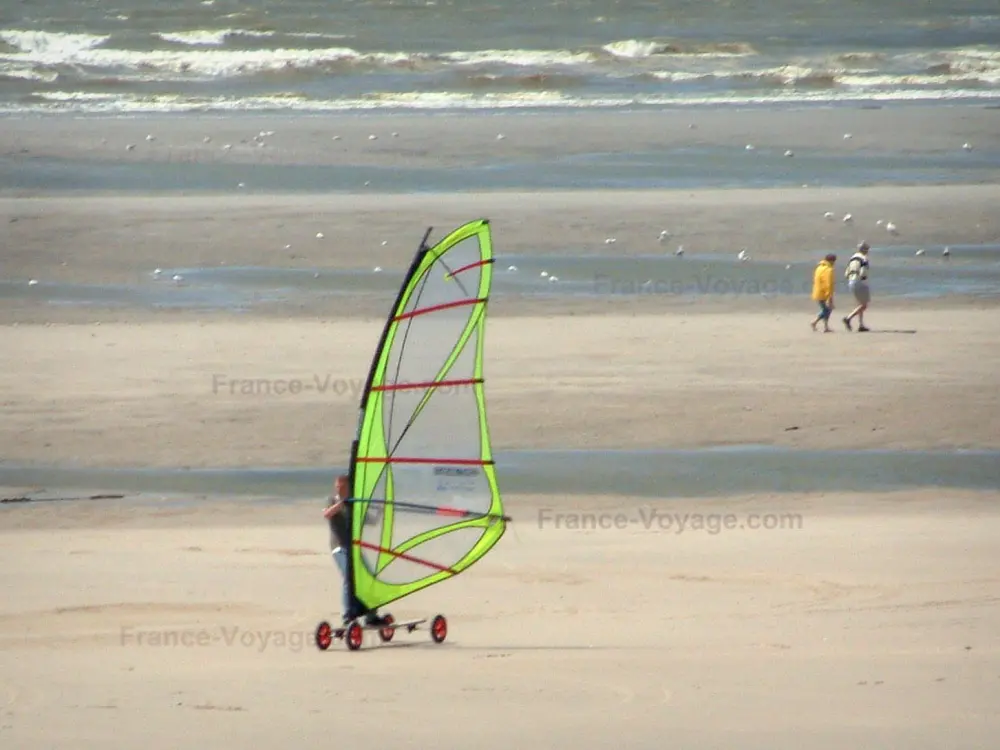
<point>872,621</point>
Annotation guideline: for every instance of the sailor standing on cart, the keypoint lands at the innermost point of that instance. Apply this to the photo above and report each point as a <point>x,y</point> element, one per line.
<point>338,513</point>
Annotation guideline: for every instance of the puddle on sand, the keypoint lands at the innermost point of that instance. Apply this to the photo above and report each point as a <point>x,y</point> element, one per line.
<point>654,473</point>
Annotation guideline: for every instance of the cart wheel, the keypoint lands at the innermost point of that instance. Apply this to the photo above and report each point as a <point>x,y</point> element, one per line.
<point>386,633</point>
<point>354,636</point>
<point>439,628</point>
<point>324,636</point>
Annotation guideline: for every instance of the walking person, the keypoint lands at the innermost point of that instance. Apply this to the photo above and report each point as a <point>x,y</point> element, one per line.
<point>856,274</point>
<point>822,291</point>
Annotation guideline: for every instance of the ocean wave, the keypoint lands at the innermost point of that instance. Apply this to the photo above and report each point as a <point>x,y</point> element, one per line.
<point>207,63</point>
<point>516,57</point>
<point>21,73</point>
<point>204,38</point>
<point>790,76</point>
<point>51,45</point>
<point>193,56</point>
<point>113,104</point>
<point>643,48</point>
<point>208,52</point>
<point>526,80</point>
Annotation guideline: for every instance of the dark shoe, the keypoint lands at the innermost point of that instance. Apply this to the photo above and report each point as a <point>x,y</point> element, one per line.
<point>847,322</point>
<point>373,618</point>
<point>862,329</point>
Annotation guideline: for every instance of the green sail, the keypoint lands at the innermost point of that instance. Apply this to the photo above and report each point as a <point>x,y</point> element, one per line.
<point>426,501</point>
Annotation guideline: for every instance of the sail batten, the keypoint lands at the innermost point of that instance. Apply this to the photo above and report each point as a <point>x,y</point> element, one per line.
<point>424,460</point>
<point>426,500</point>
<point>427,384</point>
<point>438,308</point>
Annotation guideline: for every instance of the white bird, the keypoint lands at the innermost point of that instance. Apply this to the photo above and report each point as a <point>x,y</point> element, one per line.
<point>32,282</point>
<point>543,274</point>
<point>500,136</point>
<point>553,278</point>
<point>385,242</point>
<point>679,251</point>
<point>788,267</point>
<point>288,247</point>
<point>319,235</point>
<point>789,153</point>
<point>335,138</point>
<point>178,278</point>
<point>378,269</point>
<point>890,227</point>
<point>664,235</point>
<point>828,215</point>
<point>227,147</point>
<point>742,255</point>
<point>847,136</point>
<point>848,218</point>
<point>207,139</point>
<point>242,184</point>
<point>610,241</point>
<point>395,135</point>
<point>512,268</point>
<point>749,147</point>
<point>879,223</point>
<point>946,252</point>
<point>373,137</point>
<point>130,147</point>
<point>150,138</point>
<point>967,146</point>
<point>920,252</point>
<point>157,272</point>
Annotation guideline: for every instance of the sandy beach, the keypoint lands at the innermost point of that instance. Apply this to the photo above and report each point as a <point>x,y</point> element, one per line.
<point>864,618</point>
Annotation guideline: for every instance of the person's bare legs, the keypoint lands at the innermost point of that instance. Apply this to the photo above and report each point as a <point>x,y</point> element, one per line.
<point>825,317</point>
<point>859,313</point>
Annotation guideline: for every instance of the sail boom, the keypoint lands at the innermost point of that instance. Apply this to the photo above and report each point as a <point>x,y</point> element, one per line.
<point>442,510</point>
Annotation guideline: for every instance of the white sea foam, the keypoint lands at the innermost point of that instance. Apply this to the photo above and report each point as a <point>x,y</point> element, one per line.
<point>27,73</point>
<point>209,62</point>
<point>97,103</point>
<point>643,48</point>
<point>521,57</point>
<point>794,75</point>
<point>51,45</point>
<point>632,48</point>
<point>209,38</point>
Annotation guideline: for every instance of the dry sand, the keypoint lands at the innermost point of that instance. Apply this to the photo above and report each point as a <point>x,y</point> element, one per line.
<point>863,621</point>
<point>873,623</point>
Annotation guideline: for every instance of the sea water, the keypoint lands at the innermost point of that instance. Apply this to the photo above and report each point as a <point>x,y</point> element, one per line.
<point>135,56</point>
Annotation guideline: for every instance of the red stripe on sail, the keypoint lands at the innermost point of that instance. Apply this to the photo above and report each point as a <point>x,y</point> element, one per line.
<point>470,266</point>
<point>426,384</point>
<point>446,511</point>
<point>436,308</point>
<point>414,460</point>
<point>403,556</point>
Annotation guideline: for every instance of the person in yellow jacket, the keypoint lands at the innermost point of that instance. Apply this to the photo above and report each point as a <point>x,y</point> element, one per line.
<point>823,291</point>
